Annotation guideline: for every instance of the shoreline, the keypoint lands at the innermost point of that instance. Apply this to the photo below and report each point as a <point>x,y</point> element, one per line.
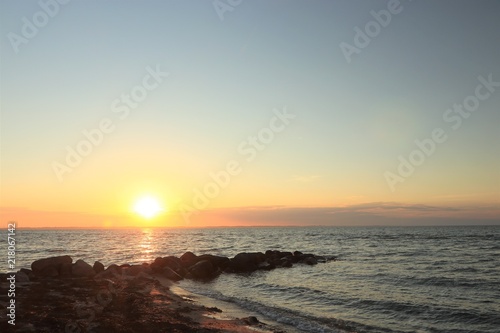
<point>230,311</point>
<point>145,303</point>
<point>58,295</point>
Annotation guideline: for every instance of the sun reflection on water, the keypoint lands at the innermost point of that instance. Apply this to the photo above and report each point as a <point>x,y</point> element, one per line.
<point>146,247</point>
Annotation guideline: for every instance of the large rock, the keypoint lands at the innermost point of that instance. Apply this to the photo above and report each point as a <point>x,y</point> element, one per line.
<point>158,264</point>
<point>171,274</point>
<point>112,271</point>
<point>146,268</point>
<point>286,262</point>
<point>81,268</point>
<point>22,277</point>
<point>134,270</point>
<point>247,262</point>
<point>49,271</point>
<point>203,270</point>
<point>98,267</point>
<point>217,261</point>
<point>172,262</point>
<point>310,261</point>
<point>65,269</point>
<point>49,266</point>
<point>188,259</point>
<point>28,272</point>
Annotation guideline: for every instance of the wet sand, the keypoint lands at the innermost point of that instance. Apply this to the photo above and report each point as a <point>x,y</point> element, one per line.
<point>142,303</point>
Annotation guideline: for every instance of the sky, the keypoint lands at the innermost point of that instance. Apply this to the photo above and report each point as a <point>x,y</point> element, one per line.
<point>232,113</point>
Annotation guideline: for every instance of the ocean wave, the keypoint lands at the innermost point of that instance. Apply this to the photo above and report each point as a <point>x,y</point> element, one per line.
<point>301,321</point>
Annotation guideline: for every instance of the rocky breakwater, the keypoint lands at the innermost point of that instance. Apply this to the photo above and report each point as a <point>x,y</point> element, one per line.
<point>187,266</point>
<point>207,266</point>
<point>60,295</point>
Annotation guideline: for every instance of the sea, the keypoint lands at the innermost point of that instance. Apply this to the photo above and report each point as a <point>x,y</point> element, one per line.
<point>386,279</point>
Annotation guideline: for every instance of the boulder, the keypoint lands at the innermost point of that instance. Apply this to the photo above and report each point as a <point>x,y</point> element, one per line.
<point>133,270</point>
<point>203,270</point>
<point>111,272</point>
<point>28,272</point>
<point>270,253</point>
<point>251,321</point>
<point>174,263</point>
<point>217,261</point>
<point>65,269</point>
<point>98,267</point>
<point>114,268</point>
<point>40,267</point>
<point>310,261</point>
<point>188,259</point>
<point>171,274</point>
<point>22,277</point>
<point>157,265</point>
<point>146,268</point>
<point>81,268</point>
<point>285,262</point>
<point>247,262</point>
<point>266,266</point>
<point>48,271</point>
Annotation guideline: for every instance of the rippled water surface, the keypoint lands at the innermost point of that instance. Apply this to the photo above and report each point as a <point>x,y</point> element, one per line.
<point>421,279</point>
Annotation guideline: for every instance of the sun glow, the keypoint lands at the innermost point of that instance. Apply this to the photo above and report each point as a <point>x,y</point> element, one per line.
<point>148,207</point>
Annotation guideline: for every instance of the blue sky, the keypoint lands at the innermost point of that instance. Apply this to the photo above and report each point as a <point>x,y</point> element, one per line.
<point>352,122</point>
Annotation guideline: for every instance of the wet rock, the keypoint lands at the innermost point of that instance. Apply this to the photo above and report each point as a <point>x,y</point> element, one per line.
<point>217,261</point>
<point>65,270</point>
<point>133,270</point>
<point>250,320</point>
<point>157,265</point>
<point>310,261</point>
<point>110,272</point>
<point>269,253</point>
<point>28,272</point>
<point>114,268</point>
<point>22,277</point>
<point>188,259</point>
<point>203,270</point>
<point>98,267</point>
<point>146,268</point>
<point>247,262</point>
<point>40,267</point>
<point>174,263</point>
<point>266,266</point>
<point>171,274</point>
<point>81,268</point>
<point>286,262</point>
<point>48,271</point>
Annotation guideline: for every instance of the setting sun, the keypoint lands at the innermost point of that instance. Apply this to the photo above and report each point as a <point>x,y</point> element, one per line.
<point>147,207</point>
